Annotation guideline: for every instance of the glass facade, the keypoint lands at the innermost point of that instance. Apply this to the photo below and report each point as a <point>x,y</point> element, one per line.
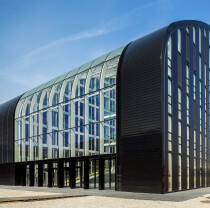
<point>187,83</point>
<point>70,116</point>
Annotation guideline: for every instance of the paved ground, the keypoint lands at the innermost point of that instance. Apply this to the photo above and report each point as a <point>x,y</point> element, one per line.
<point>108,198</point>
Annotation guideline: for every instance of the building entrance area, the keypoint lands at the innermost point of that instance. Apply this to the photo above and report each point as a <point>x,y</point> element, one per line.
<point>87,173</point>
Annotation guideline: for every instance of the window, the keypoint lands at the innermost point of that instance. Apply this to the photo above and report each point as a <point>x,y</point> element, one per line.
<point>194,173</point>
<point>169,48</point>
<point>187,79</point>
<point>179,41</point>
<point>179,103</point>
<point>188,172</point>
<point>188,140</point>
<point>169,172</point>
<point>194,143</point>
<point>44,117</point>
<point>180,137</point>
<point>200,40</point>
<point>194,86</point>
<point>188,109</point>
<point>180,172</point>
<point>169,96</point>
<point>169,57</point>
<point>194,35</point>
<point>54,118</point>
<point>44,137</point>
<point>200,69</point>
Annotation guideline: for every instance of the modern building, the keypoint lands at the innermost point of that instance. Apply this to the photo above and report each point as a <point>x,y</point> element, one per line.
<point>135,119</point>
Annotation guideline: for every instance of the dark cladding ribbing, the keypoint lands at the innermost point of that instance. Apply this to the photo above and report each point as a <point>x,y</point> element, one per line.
<point>7,112</point>
<point>139,120</point>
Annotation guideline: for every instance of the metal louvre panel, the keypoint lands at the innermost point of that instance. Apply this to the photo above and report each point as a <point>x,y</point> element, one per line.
<point>139,120</point>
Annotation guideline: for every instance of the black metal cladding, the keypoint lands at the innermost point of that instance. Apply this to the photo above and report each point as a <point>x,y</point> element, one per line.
<point>7,114</point>
<point>139,120</point>
<point>142,111</point>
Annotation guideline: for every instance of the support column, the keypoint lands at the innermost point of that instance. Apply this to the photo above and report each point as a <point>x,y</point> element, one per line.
<point>23,175</point>
<point>23,141</point>
<point>86,173</point>
<point>101,108</point>
<point>86,126</point>
<point>40,175</point>
<point>101,173</point>
<point>31,174</point>
<point>60,136</point>
<point>49,136</point>
<point>60,175</point>
<point>72,174</point>
<point>31,139</point>
<point>73,129</point>
<point>50,174</point>
<point>40,137</point>
<point>17,175</point>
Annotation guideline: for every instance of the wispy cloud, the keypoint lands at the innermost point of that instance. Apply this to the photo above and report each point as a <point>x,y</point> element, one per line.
<point>123,21</point>
<point>37,55</point>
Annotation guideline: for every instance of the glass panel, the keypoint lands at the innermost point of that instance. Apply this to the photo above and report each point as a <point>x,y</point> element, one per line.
<point>85,67</point>
<point>93,138</point>
<point>99,60</point>
<point>111,71</point>
<point>80,89</point>
<point>93,107</point>
<point>68,89</point>
<point>109,136</point>
<point>72,73</point>
<point>61,78</point>
<point>109,95</point>
<point>115,53</point>
<point>95,78</point>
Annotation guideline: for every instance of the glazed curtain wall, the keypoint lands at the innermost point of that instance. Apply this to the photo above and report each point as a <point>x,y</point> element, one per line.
<point>72,115</point>
<point>188,108</point>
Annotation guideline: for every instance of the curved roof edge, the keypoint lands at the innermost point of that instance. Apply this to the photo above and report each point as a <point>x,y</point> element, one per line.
<point>179,24</point>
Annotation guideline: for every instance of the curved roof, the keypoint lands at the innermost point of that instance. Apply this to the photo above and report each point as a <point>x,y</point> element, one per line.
<point>75,71</point>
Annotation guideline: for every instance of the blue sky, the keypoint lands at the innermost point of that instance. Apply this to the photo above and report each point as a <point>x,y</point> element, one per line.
<point>42,39</point>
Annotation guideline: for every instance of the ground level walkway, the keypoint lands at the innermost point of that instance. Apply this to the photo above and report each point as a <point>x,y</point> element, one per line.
<point>19,196</point>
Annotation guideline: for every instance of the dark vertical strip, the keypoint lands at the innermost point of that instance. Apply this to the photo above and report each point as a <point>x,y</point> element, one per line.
<point>23,175</point>
<point>110,174</point>
<point>174,112</point>
<point>164,90</point>
<point>207,85</point>
<point>72,174</point>
<point>101,173</point>
<point>191,109</point>
<point>94,168</point>
<point>86,173</point>
<point>203,105</point>
<point>197,110</point>
<point>31,174</point>
<point>184,112</point>
<point>118,178</point>
<point>40,174</point>
<point>50,174</point>
<point>60,174</point>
